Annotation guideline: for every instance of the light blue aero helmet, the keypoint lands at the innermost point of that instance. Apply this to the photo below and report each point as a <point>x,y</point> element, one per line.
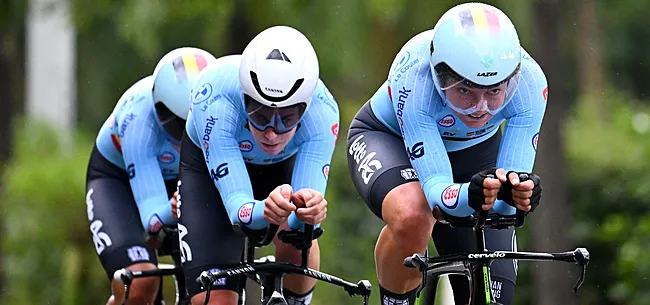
<point>173,77</point>
<point>475,44</point>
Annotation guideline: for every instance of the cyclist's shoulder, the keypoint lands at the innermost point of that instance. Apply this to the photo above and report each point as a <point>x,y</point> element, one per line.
<point>412,58</point>
<point>530,69</point>
<point>532,90</point>
<point>136,101</point>
<point>217,80</point>
<point>323,98</point>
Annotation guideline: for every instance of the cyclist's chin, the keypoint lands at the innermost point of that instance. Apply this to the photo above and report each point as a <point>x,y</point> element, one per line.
<point>473,121</point>
<point>272,149</point>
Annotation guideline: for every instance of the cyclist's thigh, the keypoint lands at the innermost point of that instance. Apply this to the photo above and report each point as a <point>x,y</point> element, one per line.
<point>115,225</point>
<point>377,159</point>
<point>207,239</point>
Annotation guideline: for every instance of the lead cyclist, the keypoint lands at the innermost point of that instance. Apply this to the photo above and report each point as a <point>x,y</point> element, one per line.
<point>430,137</point>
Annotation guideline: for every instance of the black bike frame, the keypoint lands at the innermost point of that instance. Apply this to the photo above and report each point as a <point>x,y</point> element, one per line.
<point>269,275</point>
<point>126,276</point>
<point>476,266</point>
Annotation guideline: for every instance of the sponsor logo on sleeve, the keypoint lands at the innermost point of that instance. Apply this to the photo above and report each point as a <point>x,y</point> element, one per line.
<point>245,213</point>
<point>450,196</point>
<point>326,171</point>
<point>202,93</point>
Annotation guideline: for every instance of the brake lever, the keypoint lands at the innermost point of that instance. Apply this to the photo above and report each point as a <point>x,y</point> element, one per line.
<point>581,256</point>
<point>420,262</point>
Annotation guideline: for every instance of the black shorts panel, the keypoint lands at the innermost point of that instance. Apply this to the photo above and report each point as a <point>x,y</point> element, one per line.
<point>115,225</point>
<point>208,241</point>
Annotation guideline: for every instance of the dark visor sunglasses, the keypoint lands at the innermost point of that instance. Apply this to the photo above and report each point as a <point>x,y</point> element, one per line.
<point>282,120</point>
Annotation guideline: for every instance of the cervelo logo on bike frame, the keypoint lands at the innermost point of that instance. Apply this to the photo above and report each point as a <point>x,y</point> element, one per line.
<point>245,213</point>
<point>450,196</point>
<point>497,254</point>
<point>447,121</point>
<point>364,161</point>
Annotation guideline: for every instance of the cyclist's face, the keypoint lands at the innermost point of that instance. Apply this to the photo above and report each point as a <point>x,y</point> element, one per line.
<point>465,97</point>
<point>270,142</point>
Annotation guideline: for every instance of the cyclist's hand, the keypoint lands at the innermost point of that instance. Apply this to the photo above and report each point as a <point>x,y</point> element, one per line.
<point>277,207</point>
<point>484,188</point>
<point>175,205</point>
<point>312,207</point>
<point>155,234</point>
<point>524,195</point>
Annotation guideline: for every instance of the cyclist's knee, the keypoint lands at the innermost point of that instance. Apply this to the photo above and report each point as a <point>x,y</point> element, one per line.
<point>217,297</point>
<point>407,214</point>
<point>142,290</point>
<point>289,253</point>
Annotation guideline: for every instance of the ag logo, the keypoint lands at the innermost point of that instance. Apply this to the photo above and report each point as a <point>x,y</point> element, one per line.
<point>416,151</point>
<point>222,171</point>
<point>535,137</point>
<point>545,93</point>
<point>131,170</point>
<point>450,196</point>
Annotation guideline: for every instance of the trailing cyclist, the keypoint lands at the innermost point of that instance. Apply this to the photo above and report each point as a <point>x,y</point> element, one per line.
<point>257,146</point>
<point>430,137</point>
<point>133,169</point>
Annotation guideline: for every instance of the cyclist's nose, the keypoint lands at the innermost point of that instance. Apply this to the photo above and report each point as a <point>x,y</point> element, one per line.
<point>270,134</point>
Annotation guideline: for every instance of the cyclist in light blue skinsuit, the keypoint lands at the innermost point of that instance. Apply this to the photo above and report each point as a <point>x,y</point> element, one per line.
<point>133,169</point>
<point>430,137</point>
<point>258,144</point>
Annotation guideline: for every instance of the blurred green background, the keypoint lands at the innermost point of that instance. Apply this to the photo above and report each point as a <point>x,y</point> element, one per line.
<point>593,152</point>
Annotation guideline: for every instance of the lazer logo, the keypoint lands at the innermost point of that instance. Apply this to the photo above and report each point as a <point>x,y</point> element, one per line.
<point>487,255</point>
<point>486,74</point>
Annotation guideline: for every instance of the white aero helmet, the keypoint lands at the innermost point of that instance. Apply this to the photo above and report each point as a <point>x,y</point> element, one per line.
<point>173,78</point>
<point>475,44</point>
<point>278,74</point>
